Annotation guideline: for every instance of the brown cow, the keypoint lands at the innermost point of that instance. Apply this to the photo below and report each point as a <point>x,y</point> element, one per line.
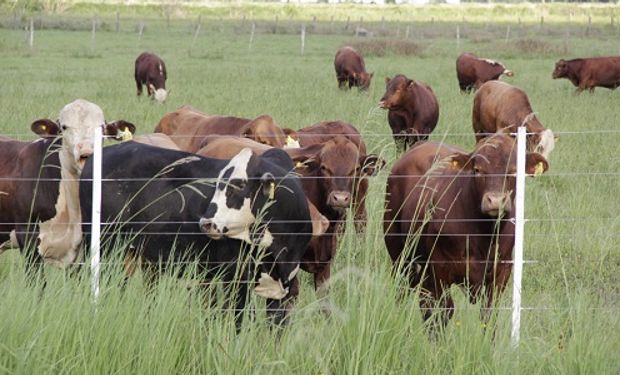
<point>499,106</point>
<point>473,71</point>
<point>590,72</point>
<point>188,128</point>
<point>413,110</point>
<point>350,69</point>
<point>150,70</point>
<point>331,170</point>
<point>451,222</point>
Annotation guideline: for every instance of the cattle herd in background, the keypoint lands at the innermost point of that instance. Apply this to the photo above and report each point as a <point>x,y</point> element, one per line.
<point>210,188</point>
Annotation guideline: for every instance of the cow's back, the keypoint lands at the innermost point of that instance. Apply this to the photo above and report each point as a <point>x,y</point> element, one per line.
<point>324,131</point>
<point>348,60</point>
<point>498,105</point>
<point>426,107</point>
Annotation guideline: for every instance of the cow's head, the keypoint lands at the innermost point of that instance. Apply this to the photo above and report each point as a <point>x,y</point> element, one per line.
<point>264,129</point>
<point>337,166</point>
<point>561,69</point>
<point>395,91</point>
<point>542,142</point>
<point>362,80</point>
<point>76,125</point>
<point>493,164</point>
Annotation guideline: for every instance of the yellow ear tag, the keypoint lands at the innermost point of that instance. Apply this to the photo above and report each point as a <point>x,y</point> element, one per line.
<point>455,164</point>
<point>291,142</point>
<point>43,127</point>
<point>299,164</point>
<point>540,168</point>
<point>272,190</point>
<point>124,135</point>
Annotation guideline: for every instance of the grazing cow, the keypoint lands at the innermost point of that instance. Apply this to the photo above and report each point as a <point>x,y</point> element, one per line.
<point>188,128</point>
<point>177,206</point>
<point>330,171</point>
<point>350,69</point>
<point>473,71</point>
<point>499,106</point>
<point>413,110</point>
<point>590,72</point>
<point>452,222</point>
<point>151,71</point>
<point>43,193</point>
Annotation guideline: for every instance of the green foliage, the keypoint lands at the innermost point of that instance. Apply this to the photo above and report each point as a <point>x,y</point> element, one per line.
<point>374,328</point>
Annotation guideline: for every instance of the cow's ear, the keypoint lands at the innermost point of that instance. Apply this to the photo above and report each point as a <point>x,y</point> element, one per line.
<point>371,164</point>
<point>536,164</point>
<point>268,184</point>
<point>460,161</point>
<point>247,132</point>
<point>410,83</point>
<point>120,130</point>
<point>45,128</point>
<point>305,163</point>
<point>319,222</point>
<point>387,80</point>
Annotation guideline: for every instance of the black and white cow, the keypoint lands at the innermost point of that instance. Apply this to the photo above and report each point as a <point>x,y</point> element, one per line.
<point>181,206</point>
<point>43,189</point>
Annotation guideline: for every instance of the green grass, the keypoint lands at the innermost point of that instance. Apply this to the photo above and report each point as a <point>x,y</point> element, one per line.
<point>573,236</point>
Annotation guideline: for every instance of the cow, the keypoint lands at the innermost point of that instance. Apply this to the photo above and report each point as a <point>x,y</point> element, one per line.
<point>590,72</point>
<point>472,71</point>
<point>452,221</point>
<point>43,194</point>
<point>350,69</point>
<point>413,110</point>
<point>151,71</point>
<point>500,106</point>
<point>178,206</point>
<point>188,128</point>
<point>330,171</point>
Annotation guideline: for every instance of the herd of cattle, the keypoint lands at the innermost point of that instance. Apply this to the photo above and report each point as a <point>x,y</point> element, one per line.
<point>252,202</point>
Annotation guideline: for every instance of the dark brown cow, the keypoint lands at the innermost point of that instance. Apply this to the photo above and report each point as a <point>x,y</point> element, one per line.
<point>499,106</point>
<point>350,69</point>
<point>331,169</point>
<point>473,71</point>
<point>590,72</point>
<point>188,128</point>
<point>413,110</point>
<point>151,71</point>
<point>451,222</point>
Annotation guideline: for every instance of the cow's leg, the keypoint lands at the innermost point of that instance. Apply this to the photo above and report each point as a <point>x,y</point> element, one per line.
<point>435,296</point>
<point>138,87</point>
<point>359,206</point>
<point>342,82</point>
<point>322,288</point>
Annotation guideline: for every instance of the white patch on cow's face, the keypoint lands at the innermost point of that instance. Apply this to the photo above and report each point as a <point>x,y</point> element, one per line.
<point>78,121</point>
<point>233,222</point>
<point>547,143</point>
<point>269,288</point>
<point>291,143</point>
<point>161,95</point>
<point>161,70</point>
<point>293,273</point>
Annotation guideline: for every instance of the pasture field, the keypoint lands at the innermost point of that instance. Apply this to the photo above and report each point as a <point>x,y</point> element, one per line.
<point>571,288</point>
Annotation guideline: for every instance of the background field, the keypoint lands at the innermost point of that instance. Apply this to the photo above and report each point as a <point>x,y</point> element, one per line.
<point>571,293</point>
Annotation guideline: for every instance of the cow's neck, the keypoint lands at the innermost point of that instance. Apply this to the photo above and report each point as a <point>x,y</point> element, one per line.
<point>60,236</point>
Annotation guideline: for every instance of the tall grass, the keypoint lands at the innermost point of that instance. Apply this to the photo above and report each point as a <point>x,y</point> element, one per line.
<point>571,288</point>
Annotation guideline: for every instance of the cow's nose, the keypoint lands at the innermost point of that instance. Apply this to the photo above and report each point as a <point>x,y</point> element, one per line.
<point>209,227</point>
<point>382,104</point>
<point>496,204</point>
<point>340,199</point>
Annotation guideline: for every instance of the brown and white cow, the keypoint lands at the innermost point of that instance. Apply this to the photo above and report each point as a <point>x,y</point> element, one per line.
<point>43,196</point>
<point>188,128</point>
<point>589,73</point>
<point>150,70</point>
<point>413,110</point>
<point>451,222</point>
<point>473,71</point>
<point>499,106</point>
<point>350,69</point>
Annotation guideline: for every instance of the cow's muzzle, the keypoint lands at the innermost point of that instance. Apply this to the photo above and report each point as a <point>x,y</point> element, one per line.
<point>209,227</point>
<point>339,199</point>
<point>496,204</point>
<point>383,104</point>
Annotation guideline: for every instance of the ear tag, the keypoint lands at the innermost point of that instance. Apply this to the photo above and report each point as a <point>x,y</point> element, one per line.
<point>44,127</point>
<point>272,190</point>
<point>455,164</point>
<point>290,142</point>
<point>540,168</point>
<point>124,135</point>
<point>299,164</point>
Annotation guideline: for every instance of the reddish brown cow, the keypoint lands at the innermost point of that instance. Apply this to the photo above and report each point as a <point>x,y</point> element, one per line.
<point>499,106</point>
<point>590,72</point>
<point>413,110</point>
<point>451,222</point>
<point>188,128</point>
<point>151,71</point>
<point>331,170</point>
<point>473,71</point>
<point>350,69</point>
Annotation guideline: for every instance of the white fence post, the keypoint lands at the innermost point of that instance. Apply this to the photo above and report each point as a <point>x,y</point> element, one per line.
<point>519,231</point>
<point>95,242</point>
<point>303,38</point>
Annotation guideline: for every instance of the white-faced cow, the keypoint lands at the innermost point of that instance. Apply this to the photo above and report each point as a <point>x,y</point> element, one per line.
<point>151,71</point>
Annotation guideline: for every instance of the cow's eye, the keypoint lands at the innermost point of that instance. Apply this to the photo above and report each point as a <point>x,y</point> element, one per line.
<point>63,127</point>
<point>477,170</point>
